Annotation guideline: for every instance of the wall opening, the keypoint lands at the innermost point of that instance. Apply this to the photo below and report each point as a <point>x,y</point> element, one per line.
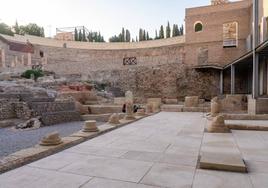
<point>198,27</point>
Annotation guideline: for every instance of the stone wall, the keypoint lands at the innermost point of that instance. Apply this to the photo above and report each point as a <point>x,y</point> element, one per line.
<point>80,61</point>
<point>172,81</point>
<point>7,109</point>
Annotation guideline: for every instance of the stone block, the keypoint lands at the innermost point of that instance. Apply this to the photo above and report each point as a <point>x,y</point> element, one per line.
<point>172,108</point>
<point>226,162</point>
<point>170,101</point>
<point>217,125</point>
<point>90,126</point>
<point>156,101</point>
<point>114,119</point>
<point>51,139</point>
<point>191,101</point>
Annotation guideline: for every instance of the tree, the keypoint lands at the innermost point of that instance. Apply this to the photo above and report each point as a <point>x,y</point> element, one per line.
<point>144,35</point>
<point>16,28</point>
<point>75,34</point>
<point>181,30</point>
<point>168,30</point>
<point>32,29</point>
<point>84,35</point>
<point>141,35</point>
<point>156,35</point>
<point>147,36</point>
<point>5,29</point>
<point>161,32</point>
<point>80,35</point>
<point>128,36</point>
<point>123,35</point>
<point>174,30</point>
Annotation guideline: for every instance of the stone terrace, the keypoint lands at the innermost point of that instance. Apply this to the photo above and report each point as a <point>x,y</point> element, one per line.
<point>158,151</point>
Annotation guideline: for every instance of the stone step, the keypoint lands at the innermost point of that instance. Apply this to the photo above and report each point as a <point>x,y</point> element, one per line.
<point>103,109</point>
<point>172,108</point>
<point>181,108</point>
<point>219,152</point>
<point>246,116</point>
<point>257,125</point>
<point>91,102</point>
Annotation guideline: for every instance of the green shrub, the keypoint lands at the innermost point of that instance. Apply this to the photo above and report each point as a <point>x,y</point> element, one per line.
<point>37,73</point>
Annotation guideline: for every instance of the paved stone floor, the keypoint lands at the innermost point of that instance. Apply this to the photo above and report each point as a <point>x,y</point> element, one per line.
<point>158,151</point>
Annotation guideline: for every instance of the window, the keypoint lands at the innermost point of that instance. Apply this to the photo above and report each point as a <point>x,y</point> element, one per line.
<point>41,54</point>
<point>198,27</point>
<point>230,35</point>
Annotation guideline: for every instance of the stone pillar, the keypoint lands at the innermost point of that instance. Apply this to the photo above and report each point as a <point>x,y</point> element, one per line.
<point>29,63</point>
<point>90,126</point>
<point>22,60</point>
<point>215,107</point>
<point>114,119</point>
<point>129,97</point>
<point>255,76</point>
<point>129,111</point>
<point>3,58</point>
<point>218,126</point>
<point>232,79</point>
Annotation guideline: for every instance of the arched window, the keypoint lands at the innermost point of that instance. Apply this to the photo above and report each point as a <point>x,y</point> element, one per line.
<point>198,27</point>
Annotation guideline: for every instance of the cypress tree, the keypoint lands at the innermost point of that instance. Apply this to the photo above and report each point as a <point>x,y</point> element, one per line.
<point>16,28</point>
<point>128,36</point>
<point>181,30</point>
<point>75,35</point>
<point>84,35</point>
<point>147,36</point>
<point>140,35</point>
<point>80,36</point>
<point>168,31</point>
<point>123,35</point>
<point>144,35</point>
<point>174,30</point>
<point>161,32</point>
<point>156,35</point>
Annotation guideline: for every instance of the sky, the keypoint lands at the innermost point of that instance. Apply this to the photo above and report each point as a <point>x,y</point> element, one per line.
<point>106,16</point>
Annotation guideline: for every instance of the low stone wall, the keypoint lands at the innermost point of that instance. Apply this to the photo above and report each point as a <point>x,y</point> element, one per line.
<point>7,109</point>
<point>47,107</point>
<point>59,117</point>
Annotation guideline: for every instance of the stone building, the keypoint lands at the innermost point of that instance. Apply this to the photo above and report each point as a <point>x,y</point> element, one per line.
<point>198,63</point>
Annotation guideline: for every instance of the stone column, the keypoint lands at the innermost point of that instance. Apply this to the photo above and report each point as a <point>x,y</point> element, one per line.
<point>29,59</point>
<point>129,111</point>
<point>3,59</point>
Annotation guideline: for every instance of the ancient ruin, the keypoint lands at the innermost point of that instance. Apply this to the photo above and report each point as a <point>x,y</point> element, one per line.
<point>90,126</point>
<point>114,119</point>
<point>161,113</point>
<point>217,125</point>
<point>51,139</point>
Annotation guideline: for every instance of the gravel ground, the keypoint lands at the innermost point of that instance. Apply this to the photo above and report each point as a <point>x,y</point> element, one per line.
<point>14,140</point>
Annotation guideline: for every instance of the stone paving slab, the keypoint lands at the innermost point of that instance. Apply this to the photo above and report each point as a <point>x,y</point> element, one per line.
<point>165,151</point>
<point>219,152</point>
<point>219,179</point>
<point>225,162</point>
